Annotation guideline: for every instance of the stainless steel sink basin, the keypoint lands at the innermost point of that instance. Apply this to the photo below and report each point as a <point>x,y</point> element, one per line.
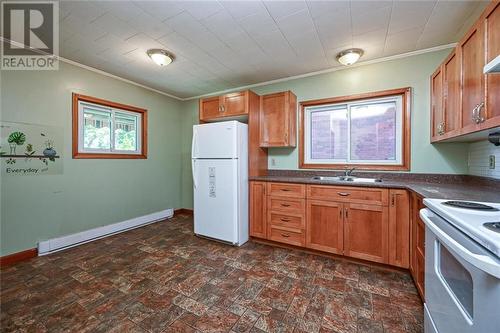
<point>349,179</point>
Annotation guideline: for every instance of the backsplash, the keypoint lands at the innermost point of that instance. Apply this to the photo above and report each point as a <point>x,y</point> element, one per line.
<point>479,153</point>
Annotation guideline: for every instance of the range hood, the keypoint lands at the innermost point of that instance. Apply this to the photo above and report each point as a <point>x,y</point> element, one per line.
<point>493,66</point>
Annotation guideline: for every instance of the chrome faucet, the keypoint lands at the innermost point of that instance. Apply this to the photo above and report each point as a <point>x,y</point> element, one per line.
<point>348,172</point>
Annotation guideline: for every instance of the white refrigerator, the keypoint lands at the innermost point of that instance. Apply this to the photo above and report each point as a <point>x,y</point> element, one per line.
<point>220,181</point>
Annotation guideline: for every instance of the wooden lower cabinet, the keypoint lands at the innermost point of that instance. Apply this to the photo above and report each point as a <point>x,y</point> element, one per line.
<point>325,226</point>
<point>366,232</point>
<point>417,244</point>
<point>399,228</point>
<point>370,227</point>
<point>258,210</point>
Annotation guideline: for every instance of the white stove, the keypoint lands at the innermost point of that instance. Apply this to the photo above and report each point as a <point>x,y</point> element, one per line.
<point>462,266</point>
<point>478,220</point>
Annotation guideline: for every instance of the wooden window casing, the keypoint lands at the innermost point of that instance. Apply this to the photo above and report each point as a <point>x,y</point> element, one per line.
<point>106,155</point>
<point>405,94</point>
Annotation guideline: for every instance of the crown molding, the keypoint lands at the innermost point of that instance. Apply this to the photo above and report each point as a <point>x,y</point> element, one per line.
<point>98,71</point>
<point>329,70</point>
<point>288,78</point>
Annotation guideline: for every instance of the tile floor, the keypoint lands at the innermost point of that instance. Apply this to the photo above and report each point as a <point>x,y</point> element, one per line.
<point>161,278</point>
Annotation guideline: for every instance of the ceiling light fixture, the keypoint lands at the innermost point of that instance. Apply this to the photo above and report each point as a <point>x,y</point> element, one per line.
<point>349,57</point>
<point>160,57</point>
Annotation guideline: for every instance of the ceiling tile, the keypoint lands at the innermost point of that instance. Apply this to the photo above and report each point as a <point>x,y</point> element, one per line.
<point>327,8</point>
<point>370,6</point>
<point>200,9</point>
<point>410,14</point>
<point>282,9</point>
<point>241,9</point>
<point>161,10</point>
<point>222,24</point>
<point>297,23</point>
<point>370,21</point>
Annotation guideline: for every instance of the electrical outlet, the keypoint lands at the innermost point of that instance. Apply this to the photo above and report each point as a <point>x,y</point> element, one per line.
<point>492,161</point>
<point>273,162</point>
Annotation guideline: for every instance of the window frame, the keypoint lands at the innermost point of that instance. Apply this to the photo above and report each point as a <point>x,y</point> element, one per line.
<point>404,165</point>
<point>77,137</point>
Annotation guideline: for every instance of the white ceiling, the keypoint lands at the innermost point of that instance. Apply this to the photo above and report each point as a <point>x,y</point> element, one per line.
<point>226,44</point>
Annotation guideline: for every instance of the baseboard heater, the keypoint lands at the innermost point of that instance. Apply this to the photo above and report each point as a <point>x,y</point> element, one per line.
<point>68,241</point>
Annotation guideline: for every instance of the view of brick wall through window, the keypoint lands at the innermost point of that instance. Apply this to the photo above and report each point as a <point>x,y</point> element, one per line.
<point>373,133</point>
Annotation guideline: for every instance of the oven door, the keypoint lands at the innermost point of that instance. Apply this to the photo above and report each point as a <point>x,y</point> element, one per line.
<point>462,285</point>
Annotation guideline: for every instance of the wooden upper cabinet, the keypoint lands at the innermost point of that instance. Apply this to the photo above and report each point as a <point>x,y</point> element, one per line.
<point>258,210</point>
<point>471,51</point>
<point>451,91</point>
<point>366,232</point>
<point>325,226</point>
<point>210,108</point>
<point>437,119</point>
<point>492,32</point>
<point>399,228</point>
<point>234,104</point>
<point>228,105</point>
<point>468,100</point>
<point>278,116</point>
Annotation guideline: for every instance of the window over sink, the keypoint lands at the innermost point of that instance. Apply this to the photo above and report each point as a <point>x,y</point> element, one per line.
<point>367,131</point>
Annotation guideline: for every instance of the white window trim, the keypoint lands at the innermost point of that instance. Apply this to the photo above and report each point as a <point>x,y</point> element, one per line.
<point>81,126</point>
<point>399,160</point>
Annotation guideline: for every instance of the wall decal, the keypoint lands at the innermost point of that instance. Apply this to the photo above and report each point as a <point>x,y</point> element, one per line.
<point>30,149</point>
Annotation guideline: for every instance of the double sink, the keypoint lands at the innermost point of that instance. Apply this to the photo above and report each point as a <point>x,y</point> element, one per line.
<point>348,179</point>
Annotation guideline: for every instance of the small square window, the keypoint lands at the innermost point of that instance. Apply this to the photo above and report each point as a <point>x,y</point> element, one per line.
<point>103,129</point>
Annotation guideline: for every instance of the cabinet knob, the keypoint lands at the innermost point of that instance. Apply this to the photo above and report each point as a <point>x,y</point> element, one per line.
<point>285,235</point>
<point>285,220</point>
<point>285,205</point>
<point>343,194</point>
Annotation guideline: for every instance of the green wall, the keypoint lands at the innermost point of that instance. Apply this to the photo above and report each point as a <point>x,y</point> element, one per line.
<point>89,193</point>
<point>411,72</point>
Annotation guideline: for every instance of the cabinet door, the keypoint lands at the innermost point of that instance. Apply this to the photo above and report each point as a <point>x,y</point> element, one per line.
<point>451,106</point>
<point>366,231</point>
<point>258,227</point>
<point>437,117</point>
<point>492,26</point>
<point>278,120</point>
<point>234,104</point>
<point>210,108</point>
<point>399,228</point>
<point>472,61</point>
<point>417,244</point>
<point>324,226</point>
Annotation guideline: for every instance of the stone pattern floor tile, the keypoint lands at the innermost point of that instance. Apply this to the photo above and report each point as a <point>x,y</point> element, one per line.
<point>161,278</point>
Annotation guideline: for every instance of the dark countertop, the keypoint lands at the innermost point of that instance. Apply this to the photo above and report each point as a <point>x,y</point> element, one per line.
<point>459,187</point>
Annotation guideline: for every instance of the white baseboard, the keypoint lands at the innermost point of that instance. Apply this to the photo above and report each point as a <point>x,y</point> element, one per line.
<point>65,242</point>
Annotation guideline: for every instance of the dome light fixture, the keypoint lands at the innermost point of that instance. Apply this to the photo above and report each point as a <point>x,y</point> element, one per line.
<point>349,57</point>
<point>160,57</point>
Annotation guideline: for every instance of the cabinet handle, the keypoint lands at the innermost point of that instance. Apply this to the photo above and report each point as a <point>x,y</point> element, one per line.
<point>285,205</point>
<point>393,200</point>
<point>343,194</point>
<point>474,114</point>
<point>285,220</point>
<point>346,213</point>
<point>441,128</point>
<point>480,118</point>
<point>223,108</point>
<point>285,190</point>
<point>285,235</point>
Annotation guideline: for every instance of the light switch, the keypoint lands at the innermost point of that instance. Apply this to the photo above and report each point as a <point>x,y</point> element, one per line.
<point>492,161</point>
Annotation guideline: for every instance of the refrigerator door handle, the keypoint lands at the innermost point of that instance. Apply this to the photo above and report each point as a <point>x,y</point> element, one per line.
<point>193,170</point>
<point>193,143</point>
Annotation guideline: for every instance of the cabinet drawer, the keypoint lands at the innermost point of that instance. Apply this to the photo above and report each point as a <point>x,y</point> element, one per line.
<point>286,235</point>
<point>286,190</point>
<point>286,205</point>
<point>348,194</point>
<point>279,219</point>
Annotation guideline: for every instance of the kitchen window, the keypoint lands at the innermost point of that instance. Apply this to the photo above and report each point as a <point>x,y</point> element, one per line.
<point>367,131</point>
<point>104,129</point>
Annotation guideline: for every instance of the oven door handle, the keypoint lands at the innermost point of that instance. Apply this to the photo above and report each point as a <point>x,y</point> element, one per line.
<point>483,262</point>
